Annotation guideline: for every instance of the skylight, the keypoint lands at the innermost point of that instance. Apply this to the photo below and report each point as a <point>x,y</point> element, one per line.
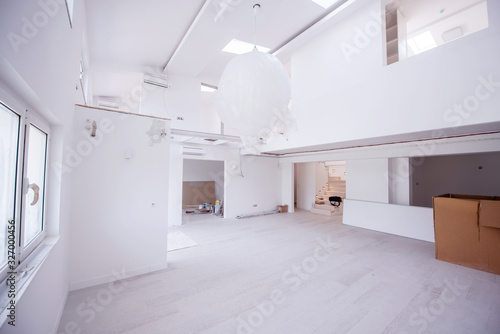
<point>208,88</point>
<point>422,42</point>
<point>239,47</point>
<point>325,3</point>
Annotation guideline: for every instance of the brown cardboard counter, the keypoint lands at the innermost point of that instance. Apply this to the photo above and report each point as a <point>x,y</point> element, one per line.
<point>467,230</point>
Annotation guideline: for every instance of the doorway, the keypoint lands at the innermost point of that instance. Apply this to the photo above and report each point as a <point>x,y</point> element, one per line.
<point>202,190</point>
<point>317,182</point>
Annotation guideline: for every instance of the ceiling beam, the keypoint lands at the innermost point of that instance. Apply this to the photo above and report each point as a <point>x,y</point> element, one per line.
<point>306,33</point>
<point>187,33</point>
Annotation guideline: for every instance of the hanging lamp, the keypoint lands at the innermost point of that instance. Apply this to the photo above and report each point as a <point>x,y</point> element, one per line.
<point>254,95</point>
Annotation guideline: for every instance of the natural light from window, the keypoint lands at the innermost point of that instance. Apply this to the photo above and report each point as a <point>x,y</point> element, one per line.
<point>325,3</point>
<point>239,47</point>
<point>422,42</point>
<point>416,26</point>
<point>208,88</point>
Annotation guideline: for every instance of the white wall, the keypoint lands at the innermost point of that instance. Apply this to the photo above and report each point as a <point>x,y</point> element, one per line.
<point>337,169</point>
<point>288,185</point>
<point>339,96</point>
<point>47,67</point>
<point>215,153</point>
<point>184,99</point>
<point>457,174</point>
<point>119,213</point>
<point>205,170</point>
<point>260,185</point>
<point>306,185</point>
<point>175,177</point>
<point>321,177</point>
<point>367,180</point>
<point>257,191</point>
<point>408,221</point>
<point>400,171</point>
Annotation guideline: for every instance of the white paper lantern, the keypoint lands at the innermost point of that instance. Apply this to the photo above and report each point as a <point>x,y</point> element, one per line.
<point>253,97</point>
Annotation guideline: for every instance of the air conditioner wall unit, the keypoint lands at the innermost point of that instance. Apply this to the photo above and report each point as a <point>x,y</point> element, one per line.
<point>110,102</point>
<point>193,150</point>
<point>156,80</point>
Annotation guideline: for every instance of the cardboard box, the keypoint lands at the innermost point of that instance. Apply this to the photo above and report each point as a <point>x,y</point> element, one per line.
<point>467,231</point>
<point>283,208</point>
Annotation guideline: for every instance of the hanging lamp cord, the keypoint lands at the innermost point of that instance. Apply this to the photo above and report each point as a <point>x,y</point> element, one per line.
<point>256,7</point>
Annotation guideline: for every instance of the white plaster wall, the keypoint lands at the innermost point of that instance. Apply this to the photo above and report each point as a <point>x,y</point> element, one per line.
<point>260,185</point>
<point>175,177</point>
<point>119,213</point>
<point>288,183</point>
<point>259,190</point>
<point>339,98</point>
<point>337,169</point>
<point>183,100</point>
<point>46,73</point>
<point>306,185</point>
<point>321,177</point>
<point>399,181</point>
<point>408,221</point>
<point>367,180</point>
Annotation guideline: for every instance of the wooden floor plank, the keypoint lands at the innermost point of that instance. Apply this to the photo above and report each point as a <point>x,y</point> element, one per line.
<point>294,273</point>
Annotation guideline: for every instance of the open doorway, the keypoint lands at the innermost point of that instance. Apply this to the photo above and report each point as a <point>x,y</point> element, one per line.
<point>321,187</point>
<point>202,190</point>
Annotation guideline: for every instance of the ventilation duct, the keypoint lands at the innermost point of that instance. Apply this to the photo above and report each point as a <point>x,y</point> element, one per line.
<point>109,102</point>
<point>193,150</point>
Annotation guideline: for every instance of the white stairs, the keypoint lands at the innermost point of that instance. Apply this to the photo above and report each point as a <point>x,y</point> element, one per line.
<point>336,187</point>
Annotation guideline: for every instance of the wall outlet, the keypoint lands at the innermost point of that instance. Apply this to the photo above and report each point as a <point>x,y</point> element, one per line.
<point>255,205</point>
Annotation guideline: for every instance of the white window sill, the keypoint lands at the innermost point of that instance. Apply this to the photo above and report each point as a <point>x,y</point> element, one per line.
<point>28,268</point>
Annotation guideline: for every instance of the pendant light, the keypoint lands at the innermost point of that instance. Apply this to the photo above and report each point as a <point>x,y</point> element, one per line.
<point>254,95</point>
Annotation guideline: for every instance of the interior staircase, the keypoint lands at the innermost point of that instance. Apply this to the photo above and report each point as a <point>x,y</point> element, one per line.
<point>336,187</point>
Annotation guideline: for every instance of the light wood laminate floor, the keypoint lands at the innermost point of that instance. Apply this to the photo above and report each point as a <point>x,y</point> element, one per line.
<point>293,274</point>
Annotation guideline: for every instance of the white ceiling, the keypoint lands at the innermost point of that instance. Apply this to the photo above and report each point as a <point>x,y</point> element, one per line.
<point>130,37</point>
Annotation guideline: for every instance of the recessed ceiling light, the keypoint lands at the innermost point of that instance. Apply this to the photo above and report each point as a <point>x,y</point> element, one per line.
<point>325,3</point>
<point>239,47</point>
<point>208,88</point>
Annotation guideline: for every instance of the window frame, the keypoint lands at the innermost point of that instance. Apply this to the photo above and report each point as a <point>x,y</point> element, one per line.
<point>26,250</point>
<point>22,251</point>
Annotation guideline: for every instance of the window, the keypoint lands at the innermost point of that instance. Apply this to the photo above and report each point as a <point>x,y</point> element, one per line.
<point>23,152</point>
<point>415,26</point>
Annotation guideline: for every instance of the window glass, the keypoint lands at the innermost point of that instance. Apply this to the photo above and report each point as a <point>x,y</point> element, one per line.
<point>37,151</point>
<point>9,139</point>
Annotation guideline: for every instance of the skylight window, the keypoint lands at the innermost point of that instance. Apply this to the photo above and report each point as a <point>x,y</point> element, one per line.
<point>325,3</point>
<point>422,42</point>
<point>239,47</point>
<point>208,88</point>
